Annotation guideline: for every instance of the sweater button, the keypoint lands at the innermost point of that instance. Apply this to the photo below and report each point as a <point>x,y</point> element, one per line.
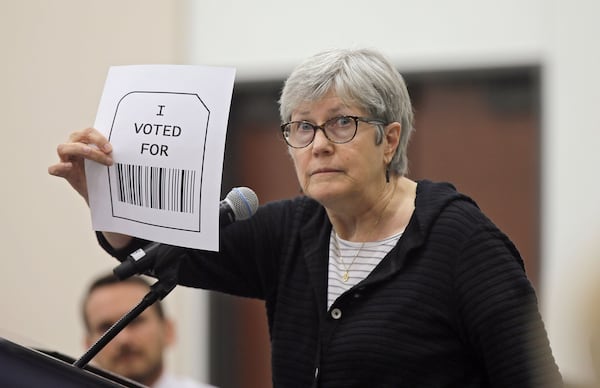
<point>336,313</point>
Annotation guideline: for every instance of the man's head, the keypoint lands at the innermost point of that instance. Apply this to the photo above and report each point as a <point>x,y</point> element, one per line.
<point>137,351</point>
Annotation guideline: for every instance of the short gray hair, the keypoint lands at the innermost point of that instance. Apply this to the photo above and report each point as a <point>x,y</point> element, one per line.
<point>361,77</point>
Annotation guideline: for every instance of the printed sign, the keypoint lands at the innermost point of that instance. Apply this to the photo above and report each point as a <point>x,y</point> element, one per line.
<point>167,126</point>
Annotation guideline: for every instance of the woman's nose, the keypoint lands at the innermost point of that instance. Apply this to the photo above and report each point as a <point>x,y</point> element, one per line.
<point>321,142</point>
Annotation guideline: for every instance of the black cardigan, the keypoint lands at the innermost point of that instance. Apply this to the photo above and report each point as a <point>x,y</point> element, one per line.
<point>449,306</point>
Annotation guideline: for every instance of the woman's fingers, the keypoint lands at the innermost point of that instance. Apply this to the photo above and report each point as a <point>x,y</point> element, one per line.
<point>68,152</point>
<point>91,136</point>
<point>83,144</point>
<point>62,169</point>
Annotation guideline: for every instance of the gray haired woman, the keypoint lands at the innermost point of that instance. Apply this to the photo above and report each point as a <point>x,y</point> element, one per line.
<point>369,279</point>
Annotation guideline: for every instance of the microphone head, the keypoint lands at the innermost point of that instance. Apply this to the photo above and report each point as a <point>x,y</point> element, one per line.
<point>243,202</point>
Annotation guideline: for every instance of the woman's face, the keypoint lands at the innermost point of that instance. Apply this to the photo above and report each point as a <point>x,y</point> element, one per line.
<point>331,172</point>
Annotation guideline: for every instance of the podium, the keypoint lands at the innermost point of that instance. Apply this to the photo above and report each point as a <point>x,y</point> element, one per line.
<point>22,367</point>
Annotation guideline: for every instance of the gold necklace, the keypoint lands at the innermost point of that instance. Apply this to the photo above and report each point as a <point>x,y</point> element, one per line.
<point>346,273</point>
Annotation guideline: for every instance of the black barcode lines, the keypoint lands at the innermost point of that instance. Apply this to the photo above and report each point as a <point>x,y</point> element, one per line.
<point>170,189</point>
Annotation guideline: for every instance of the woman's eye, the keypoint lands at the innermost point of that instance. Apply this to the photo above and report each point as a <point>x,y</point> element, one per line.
<point>305,127</point>
<point>343,121</point>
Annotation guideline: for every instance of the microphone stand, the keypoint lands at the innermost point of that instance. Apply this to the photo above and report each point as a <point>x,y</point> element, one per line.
<point>158,290</point>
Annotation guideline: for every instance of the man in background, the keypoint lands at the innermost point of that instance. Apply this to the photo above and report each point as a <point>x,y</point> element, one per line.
<point>137,351</point>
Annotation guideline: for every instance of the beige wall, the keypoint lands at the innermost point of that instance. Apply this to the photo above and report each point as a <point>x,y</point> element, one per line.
<point>55,56</point>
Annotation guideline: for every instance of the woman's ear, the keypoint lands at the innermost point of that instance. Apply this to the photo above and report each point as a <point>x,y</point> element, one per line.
<point>392,134</point>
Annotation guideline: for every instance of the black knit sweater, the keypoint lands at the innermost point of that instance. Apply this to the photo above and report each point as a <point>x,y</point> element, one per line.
<point>449,306</point>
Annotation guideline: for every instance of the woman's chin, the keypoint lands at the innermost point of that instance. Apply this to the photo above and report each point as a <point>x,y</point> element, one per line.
<point>324,192</point>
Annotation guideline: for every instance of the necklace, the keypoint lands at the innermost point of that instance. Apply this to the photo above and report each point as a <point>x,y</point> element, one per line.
<point>346,273</point>
<point>336,244</point>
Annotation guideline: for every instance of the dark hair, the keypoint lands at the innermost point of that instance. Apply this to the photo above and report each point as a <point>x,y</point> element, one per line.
<point>109,280</point>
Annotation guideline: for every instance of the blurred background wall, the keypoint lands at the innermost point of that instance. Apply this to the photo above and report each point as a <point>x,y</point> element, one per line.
<point>55,58</point>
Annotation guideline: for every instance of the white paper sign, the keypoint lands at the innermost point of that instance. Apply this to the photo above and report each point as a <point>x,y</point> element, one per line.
<point>167,125</point>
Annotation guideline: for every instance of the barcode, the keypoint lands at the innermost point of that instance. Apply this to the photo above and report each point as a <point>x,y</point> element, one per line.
<point>161,188</point>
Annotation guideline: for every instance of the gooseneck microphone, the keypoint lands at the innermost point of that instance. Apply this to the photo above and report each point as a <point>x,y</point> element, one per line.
<point>241,203</point>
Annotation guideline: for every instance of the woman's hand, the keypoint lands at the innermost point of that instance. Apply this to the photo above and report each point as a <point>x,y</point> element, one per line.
<point>84,144</point>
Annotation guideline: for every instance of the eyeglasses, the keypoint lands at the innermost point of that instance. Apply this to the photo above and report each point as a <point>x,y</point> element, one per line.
<point>339,130</point>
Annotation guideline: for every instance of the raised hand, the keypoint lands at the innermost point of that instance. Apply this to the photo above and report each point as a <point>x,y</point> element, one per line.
<point>83,144</point>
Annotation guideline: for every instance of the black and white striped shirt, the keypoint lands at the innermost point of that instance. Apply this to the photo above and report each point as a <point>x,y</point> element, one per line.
<point>358,259</point>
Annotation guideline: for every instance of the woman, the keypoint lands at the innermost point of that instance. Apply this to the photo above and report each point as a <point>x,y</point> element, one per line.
<point>369,279</point>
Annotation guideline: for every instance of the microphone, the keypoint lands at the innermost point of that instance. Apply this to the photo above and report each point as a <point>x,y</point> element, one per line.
<point>240,204</point>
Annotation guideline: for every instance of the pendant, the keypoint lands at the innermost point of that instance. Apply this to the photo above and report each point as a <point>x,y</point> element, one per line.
<point>345,276</point>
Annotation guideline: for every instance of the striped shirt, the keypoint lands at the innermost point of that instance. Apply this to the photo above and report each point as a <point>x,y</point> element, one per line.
<point>357,259</point>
